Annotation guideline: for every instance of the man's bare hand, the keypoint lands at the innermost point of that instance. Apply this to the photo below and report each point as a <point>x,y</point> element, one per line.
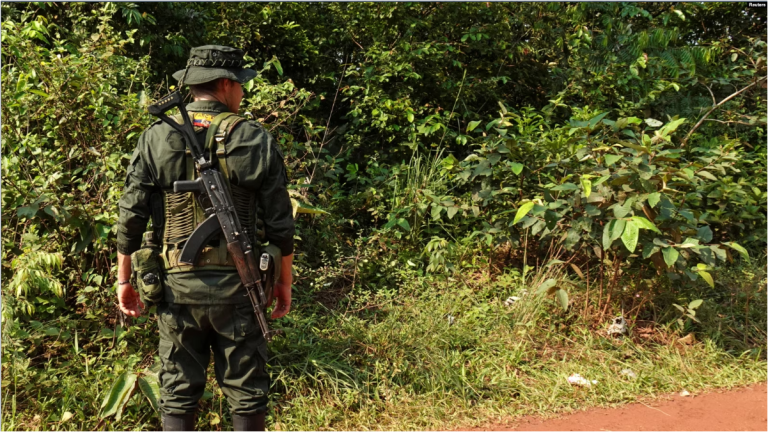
<point>129,300</point>
<point>282,292</point>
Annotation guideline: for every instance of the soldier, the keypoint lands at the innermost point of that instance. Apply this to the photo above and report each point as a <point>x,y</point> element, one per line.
<point>204,308</point>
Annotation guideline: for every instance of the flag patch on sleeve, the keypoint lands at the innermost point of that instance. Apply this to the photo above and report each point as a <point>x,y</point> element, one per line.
<point>201,120</point>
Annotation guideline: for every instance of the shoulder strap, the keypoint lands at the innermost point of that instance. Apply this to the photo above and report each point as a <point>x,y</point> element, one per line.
<point>216,141</point>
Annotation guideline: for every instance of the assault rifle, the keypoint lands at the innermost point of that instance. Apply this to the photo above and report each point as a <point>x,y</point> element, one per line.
<point>213,195</point>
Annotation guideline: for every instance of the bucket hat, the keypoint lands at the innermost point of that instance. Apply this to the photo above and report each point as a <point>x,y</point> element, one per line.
<point>210,62</point>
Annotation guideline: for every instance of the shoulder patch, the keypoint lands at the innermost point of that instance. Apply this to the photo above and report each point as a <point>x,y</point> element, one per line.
<point>202,120</point>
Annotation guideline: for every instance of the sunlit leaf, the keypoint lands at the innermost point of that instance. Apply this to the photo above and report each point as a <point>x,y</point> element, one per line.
<point>472,125</point>
<point>562,297</point>
<point>738,248</point>
<point>644,223</point>
<point>707,277</point>
<point>517,168</point>
<point>630,235</point>
<point>522,211</point>
<point>653,199</point>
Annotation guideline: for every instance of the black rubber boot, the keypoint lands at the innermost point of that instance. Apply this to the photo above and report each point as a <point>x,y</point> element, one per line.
<point>254,422</point>
<point>179,422</point>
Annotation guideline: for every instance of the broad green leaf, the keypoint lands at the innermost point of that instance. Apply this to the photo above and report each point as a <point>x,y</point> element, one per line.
<point>704,234</point>
<point>546,285</point>
<point>738,248</point>
<point>630,235</point>
<point>517,168</point>
<point>620,211</point>
<point>472,125</point>
<point>562,297</point>
<point>671,126</point>
<point>719,252</point>
<point>653,199</point>
<point>644,223</point>
<point>695,304</point>
<point>410,117</point>
<point>436,210</point>
<point>611,159</point>
<point>612,231</point>
<point>707,175</point>
<point>150,387</point>
<point>670,255</point>
<point>452,211</point>
<point>118,395</point>
<point>522,211</point>
<point>586,184</point>
<point>690,243</point>
<point>404,224</point>
<point>27,211</point>
<point>707,277</point>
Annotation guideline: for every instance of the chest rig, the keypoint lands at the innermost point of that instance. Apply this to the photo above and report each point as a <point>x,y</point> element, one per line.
<point>183,213</point>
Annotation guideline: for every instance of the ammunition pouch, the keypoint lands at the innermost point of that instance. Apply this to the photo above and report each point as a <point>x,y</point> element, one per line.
<point>147,276</point>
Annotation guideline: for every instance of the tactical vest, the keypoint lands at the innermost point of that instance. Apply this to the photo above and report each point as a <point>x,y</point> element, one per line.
<point>182,213</point>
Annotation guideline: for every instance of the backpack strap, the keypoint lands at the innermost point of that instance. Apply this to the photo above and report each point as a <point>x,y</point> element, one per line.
<point>216,141</point>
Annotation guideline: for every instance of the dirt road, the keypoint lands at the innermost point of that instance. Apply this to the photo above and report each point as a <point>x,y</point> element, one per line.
<point>741,409</point>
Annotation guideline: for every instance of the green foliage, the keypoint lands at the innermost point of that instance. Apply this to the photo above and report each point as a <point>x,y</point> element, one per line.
<point>619,142</point>
<point>118,395</point>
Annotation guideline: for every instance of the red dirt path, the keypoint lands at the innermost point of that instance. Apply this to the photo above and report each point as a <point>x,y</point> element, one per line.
<point>737,410</point>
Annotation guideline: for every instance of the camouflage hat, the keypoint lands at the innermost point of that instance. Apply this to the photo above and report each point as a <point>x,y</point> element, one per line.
<point>211,62</point>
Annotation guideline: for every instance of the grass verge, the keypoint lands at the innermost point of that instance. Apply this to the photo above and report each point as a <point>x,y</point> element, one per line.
<point>432,354</point>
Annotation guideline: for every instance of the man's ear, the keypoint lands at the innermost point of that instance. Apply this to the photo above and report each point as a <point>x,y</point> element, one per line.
<point>226,84</point>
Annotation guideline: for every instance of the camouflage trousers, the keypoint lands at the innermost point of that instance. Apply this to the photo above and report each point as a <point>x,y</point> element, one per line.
<point>188,334</point>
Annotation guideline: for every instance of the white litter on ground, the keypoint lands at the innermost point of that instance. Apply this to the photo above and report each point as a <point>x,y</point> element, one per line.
<point>628,373</point>
<point>618,327</point>
<point>579,380</point>
<point>511,300</point>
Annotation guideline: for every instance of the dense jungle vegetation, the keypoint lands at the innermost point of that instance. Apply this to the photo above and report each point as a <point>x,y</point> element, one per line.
<point>479,189</point>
